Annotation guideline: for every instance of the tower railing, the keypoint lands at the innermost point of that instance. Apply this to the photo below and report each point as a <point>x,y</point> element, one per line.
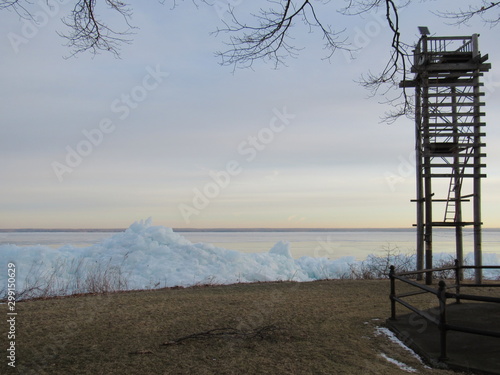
<point>434,49</point>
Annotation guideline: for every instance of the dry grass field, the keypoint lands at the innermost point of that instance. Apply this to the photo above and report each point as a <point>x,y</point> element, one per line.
<point>323,327</point>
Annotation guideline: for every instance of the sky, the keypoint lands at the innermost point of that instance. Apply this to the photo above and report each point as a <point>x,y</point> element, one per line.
<point>166,132</point>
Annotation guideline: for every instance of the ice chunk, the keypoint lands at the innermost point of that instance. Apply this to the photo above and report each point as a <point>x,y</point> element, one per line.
<point>281,248</point>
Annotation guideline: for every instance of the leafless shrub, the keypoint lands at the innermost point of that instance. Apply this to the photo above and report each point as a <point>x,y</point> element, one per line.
<point>378,266</point>
<point>104,279</point>
<point>450,273</point>
<point>85,277</point>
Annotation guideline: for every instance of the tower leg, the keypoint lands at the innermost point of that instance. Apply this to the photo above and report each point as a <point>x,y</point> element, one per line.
<point>419,188</point>
<point>428,231</point>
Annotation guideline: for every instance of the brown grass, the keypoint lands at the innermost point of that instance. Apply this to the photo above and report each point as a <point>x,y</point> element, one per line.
<point>323,327</point>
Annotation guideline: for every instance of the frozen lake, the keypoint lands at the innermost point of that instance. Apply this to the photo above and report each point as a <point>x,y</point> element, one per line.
<point>146,256</point>
<point>332,244</point>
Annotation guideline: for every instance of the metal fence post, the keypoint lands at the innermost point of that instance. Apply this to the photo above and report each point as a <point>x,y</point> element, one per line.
<point>393,293</point>
<point>458,278</point>
<point>442,319</point>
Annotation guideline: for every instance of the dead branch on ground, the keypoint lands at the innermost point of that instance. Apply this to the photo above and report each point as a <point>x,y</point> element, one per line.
<point>259,332</point>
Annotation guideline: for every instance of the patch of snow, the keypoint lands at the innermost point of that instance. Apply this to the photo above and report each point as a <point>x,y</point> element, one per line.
<point>401,365</point>
<point>392,337</point>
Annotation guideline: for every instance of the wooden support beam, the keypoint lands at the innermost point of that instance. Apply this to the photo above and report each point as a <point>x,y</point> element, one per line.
<point>448,154</point>
<point>447,94</point>
<point>451,200</point>
<point>454,67</point>
<point>457,114</point>
<point>458,105</point>
<point>452,165</point>
<point>451,223</point>
<point>442,134</point>
<point>458,124</point>
<point>465,83</point>
<point>450,175</point>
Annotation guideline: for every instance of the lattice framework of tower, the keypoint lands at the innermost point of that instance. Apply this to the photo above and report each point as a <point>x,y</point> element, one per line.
<point>448,141</point>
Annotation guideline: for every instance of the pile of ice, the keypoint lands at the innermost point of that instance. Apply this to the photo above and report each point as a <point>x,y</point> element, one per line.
<point>146,256</point>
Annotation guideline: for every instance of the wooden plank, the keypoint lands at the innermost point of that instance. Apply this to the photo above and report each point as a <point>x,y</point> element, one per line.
<point>440,83</point>
<point>408,83</point>
<point>451,224</point>
<point>459,124</point>
<point>449,175</point>
<point>446,154</point>
<point>469,66</point>
<point>447,94</point>
<point>464,38</point>
<point>445,114</point>
<point>451,155</point>
<point>440,145</point>
<point>445,165</point>
<point>468,195</point>
<point>454,84</point>
<point>453,134</point>
<point>450,200</point>
<point>458,104</point>
<point>446,75</point>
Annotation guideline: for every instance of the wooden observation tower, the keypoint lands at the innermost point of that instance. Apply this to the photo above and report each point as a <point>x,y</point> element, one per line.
<point>448,141</point>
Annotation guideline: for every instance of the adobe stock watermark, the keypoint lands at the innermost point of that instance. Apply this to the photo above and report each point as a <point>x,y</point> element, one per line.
<point>11,314</point>
<point>491,84</point>
<point>405,169</point>
<point>249,149</point>
<point>31,25</point>
<point>223,8</point>
<point>122,107</point>
<point>325,248</point>
<point>364,36</point>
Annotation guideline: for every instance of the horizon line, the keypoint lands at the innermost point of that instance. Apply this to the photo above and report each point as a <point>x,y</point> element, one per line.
<point>298,229</point>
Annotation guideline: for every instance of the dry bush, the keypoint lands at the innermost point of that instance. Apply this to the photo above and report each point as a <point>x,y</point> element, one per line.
<point>85,277</point>
<point>378,266</point>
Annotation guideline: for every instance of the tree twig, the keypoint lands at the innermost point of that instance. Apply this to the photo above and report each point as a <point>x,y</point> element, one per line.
<point>259,332</point>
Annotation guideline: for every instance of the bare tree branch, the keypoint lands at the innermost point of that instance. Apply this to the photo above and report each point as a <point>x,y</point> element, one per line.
<point>4,4</point>
<point>270,38</point>
<point>89,33</point>
<point>16,6</point>
<point>386,82</point>
<point>258,332</point>
<point>483,11</point>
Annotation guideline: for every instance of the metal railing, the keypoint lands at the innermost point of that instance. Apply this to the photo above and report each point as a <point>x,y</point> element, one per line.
<point>442,296</point>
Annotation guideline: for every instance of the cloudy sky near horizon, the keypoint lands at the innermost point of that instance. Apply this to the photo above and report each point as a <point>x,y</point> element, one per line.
<point>166,132</point>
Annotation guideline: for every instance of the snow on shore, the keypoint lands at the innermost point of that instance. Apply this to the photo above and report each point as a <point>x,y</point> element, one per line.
<point>147,256</point>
